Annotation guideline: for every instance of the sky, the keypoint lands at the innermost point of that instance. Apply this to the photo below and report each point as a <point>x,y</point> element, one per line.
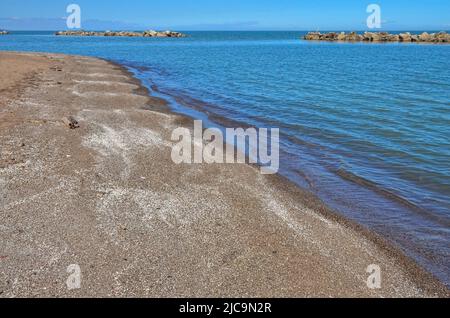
<point>185,15</point>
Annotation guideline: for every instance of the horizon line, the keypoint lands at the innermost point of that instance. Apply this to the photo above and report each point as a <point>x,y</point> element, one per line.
<point>242,30</point>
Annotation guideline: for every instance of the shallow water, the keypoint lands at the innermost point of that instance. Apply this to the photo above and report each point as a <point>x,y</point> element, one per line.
<point>364,126</point>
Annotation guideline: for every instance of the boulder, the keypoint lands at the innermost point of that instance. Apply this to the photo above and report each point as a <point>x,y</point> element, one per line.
<point>313,36</point>
<point>354,37</point>
<point>341,36</point>
<point>414,38</point>
<point>332,36</point>
<point>387,37</point>
<point>405,37</point>
<point>394,38</point>
<point>442,37</point>
<point>425,37</point>
<point>150,33</point>
<point>373,37</point>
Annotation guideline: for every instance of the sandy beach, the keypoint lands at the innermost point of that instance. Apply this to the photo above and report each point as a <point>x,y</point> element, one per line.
<point>107,197</point>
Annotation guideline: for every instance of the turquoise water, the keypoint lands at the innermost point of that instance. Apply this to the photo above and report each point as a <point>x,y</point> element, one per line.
<point>366,127</point>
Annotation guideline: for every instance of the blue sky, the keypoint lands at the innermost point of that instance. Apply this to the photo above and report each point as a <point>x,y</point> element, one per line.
<point>226,14</point>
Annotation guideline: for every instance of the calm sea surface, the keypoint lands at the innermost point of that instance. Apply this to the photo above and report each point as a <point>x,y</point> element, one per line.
<point>366,127</point>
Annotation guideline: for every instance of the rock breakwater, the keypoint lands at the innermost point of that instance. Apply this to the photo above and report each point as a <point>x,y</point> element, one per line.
<point>145,34</point>
<point>440,37</point>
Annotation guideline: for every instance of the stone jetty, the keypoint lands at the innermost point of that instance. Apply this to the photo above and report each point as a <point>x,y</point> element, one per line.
<point>145,34</point>
<point>441,37</point>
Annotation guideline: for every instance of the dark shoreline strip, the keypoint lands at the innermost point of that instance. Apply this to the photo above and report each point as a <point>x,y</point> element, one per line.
<point>347,175</point>
<point>202,107</point>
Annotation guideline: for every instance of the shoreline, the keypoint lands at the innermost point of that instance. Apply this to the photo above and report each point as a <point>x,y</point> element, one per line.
<point>196,106</point>
<point>186,105</point>
<point>290,231</point>
<point>282,181</point>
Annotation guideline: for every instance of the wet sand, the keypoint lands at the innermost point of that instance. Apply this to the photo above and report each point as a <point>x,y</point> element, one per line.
<point>108,197</point>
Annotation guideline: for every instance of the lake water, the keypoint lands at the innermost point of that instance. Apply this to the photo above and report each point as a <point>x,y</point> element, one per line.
<point>366,127</point>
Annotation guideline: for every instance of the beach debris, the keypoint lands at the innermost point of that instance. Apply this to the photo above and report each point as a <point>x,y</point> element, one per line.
<point>146,34</point>
<point>71,122</point>
<point>441,37</point>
